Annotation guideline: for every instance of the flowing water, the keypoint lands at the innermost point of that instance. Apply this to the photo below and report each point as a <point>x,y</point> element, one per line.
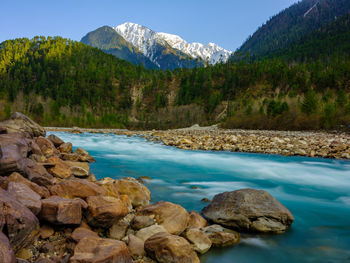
<point>316,191</point>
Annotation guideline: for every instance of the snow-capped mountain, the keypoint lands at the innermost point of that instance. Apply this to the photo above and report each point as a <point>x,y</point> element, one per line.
<point>146,41</point>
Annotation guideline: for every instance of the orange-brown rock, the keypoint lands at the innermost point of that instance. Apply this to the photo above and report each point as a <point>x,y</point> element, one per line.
<point>198,239</point>
<point>46,146</point>
<point>16,177</point>
<point>138,193</point>
<point>66,148</point>
<point>99,250</point>
<point>55,140</point>
<point>104,211</point>
<point>6,253</point>
<point>83,165</point>
<point>84,156</point>
<point>196,220</point>
<point>61,211</point>
<point>220,236</point>
<point>81,232</point>
<point>174,218</point>
<point>110,187</point>
<point>46,231</point>
<point>77,188</point>
<point>167,248</point>
<point>17,221</point>
<point>25,195</point>
<point>61,169</point>
<point>136,246</point>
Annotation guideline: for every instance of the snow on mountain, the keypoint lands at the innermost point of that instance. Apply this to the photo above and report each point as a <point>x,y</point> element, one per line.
<point>145,39</point>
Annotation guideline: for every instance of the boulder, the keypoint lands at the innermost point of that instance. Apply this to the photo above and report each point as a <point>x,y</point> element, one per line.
<point>167,248</point>
<point>99,250</point>
<point>174,218</point>
<point>84,156</point>
<point>17,221</point>
<point>6,253</point>
<point>61,211</point>
<point>110,187</point>
<point>16,177</point>
<point>79,172</point>
<point>25,195</point>
<point>69,157</point>
<point>138,193</point>
<point>118,229</point>
<point>81,232</point>
<point>66,148</point>
<point>199,240</point>
<point>37,173</point>
<point>46,146</point>
<point>141,221</point>
<point>136,246</point>
<point>83,165</point>
<point>196,220</point>
<point>147,232</point>
<point>55,140</point>
<point>220,236</point>
<point>104,211</point>
<point>19,123</point>
<point>77,188</point>
<point>249,210</point>
<point>61,169</point>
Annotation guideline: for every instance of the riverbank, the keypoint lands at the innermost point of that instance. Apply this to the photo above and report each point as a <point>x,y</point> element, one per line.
<point>288,143</point>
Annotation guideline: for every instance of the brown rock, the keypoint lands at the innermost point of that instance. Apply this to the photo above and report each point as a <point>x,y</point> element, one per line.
<point>110,187</point>
<point>16,177</point>
<point>104,211</point>
<point>166,248</point>
<point>6,252</point>
<point>55,140</point>
<point>147,232</point>
<point>69,157</point>
<point>25,195</point>
<point>99,250</point>
<point>46,231</point>
<point>249,210</point>
<point>220,236</point>
<point>83,165</point>
<point>84,156</point>
<point>61,211</point>
<point>66,148</point>
<point>61,169</point>
<point>81,232</point>
<point>17,221</point>
<point>118,229</point>
<point>138,193</point>
<point>174,218</point>
<point>136,246</point>
<point>196,220</point>
<point>199,240</point>
<point>46,146</point>
<point>141,221</point>
<point>37,173</point>
<point>79,172</point>
<point>77,188</point>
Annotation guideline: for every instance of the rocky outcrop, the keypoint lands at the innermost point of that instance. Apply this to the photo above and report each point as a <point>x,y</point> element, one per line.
<point>98,250</point>
<point>166,248</point>
<point>174,218</point>
<point>138,194</point>
<point>249,210</point>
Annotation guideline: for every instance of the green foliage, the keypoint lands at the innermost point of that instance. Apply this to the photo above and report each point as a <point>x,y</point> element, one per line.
<point>275,108</point>
<point>310,102</point>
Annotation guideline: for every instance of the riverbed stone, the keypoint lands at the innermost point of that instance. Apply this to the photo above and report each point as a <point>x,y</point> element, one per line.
<point>220,236</point>
<point>249,210</point>
<point>66,147</point>
<point>196,220</point>
<point>138,193</point>
<point>136,246</point>
<point>84,156</point>
<point>199,240</point>
<point>147,232</point>
<point>61,169</point>
<point>46,146</point>
<point>57,141</point>
<point>81,232</point>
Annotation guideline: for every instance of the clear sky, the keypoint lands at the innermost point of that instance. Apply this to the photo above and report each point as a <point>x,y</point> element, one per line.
<point>225,22</point>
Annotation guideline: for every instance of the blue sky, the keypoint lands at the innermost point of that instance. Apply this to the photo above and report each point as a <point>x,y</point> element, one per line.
<point>225,22</point>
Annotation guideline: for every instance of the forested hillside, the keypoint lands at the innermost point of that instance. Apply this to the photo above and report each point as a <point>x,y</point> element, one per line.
<point>62,82</point>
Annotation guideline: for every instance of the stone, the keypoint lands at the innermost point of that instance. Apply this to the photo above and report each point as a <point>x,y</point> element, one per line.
<point>16,177</point>
<point>19,123</point>
<point>118,229</point>
<point>199,240</point>
<point>61,211</point>
<point>37,173</point>
<point>46,146</point>
<point>174,218</point>
<point>141,221</point>
<point>69,157</point>
<point>220,236</point>
<point>79,172</point>
<point>83,165</point>
<point>61,169</point>
<point>46,231</point>
<point>99,250</point>
<point>17,221</point>
<point>81,232</point>
<point>55,140</point>
<point>249,210</point>
<point>6,253</point>
<point>167,248</point>
<point>110,187</point>
<point>104,211</point>
<point>84,156</point>
<point>24,253</point>
<point>25,195</point>
<point>147,232</point>
<point>138,193</point>
<point>65,148</point>
<point>136,246</point>
<point>77,188</point>
<point>196,220</point>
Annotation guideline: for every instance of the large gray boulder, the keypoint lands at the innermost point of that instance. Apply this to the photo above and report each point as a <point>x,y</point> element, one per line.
<point>21,123</point>
<point>249,210</point>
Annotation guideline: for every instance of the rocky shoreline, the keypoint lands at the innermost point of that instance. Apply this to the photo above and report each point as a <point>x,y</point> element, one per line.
<point>54,210</point>
<point>289,143</point>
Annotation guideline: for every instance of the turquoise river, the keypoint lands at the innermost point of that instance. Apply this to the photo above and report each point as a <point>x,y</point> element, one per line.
<point>316,191</point>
